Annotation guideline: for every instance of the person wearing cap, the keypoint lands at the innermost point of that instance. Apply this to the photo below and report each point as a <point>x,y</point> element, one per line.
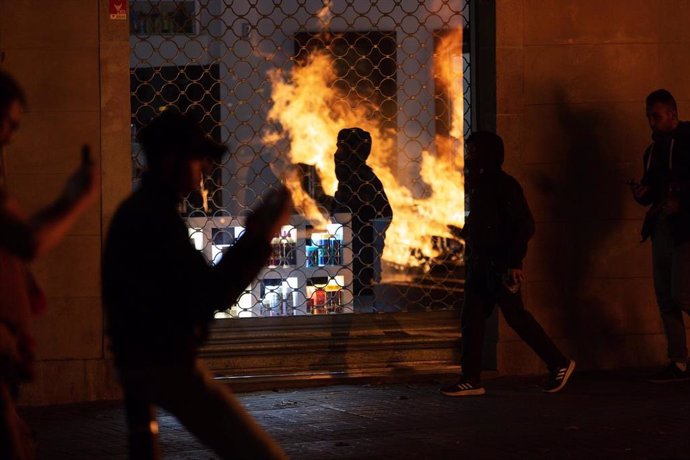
<point>498,229</point>
<point>161,297</point>
<point>360,193</point>
<point>24,239</point>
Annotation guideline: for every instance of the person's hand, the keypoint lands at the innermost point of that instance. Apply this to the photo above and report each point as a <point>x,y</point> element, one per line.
<point>639,191</point>
<point>516,276</point>
<point>512,280</point>
<point>671,206</point>
<point>274,212</point>
<point>81,187</point>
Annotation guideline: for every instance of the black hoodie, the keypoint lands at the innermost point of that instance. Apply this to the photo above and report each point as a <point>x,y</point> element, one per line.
<point>666,164</point>
<point>500,223</point>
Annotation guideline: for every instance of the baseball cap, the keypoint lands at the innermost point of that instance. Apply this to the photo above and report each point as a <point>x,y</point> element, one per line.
<point>176,134</point>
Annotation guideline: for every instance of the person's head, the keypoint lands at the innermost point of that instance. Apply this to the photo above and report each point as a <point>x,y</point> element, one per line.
<point>353,149</point>
<point>177,150</point>
<point>12,103</point>
<point>661,111</point>
<point>483,152</point>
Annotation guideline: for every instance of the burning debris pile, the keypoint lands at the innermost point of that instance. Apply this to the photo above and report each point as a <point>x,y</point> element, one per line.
<point>310,111</point>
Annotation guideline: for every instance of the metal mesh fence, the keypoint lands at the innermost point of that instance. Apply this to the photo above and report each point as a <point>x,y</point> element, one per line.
<point>284,84</point>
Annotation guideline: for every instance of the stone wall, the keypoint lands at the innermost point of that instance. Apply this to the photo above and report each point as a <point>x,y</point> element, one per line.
<point>572,77</point>
<point>62,53</point>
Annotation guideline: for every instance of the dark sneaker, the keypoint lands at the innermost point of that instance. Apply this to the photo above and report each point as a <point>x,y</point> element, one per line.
<point>559,377</point>
<point>671,373</point>
<point>463,388</point>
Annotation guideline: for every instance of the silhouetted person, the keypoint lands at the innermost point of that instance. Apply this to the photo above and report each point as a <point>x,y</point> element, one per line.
<point>23,239</point>
<point>665,187</point>
<point>160,296</point>
<point>496,233</point>
<point>361,193</point>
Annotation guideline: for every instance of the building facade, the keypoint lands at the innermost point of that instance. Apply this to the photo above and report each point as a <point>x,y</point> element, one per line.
<point>567,92</point>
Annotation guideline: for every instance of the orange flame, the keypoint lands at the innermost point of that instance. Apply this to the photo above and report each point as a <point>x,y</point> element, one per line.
<point>311,112</point>
<point>303,202</point>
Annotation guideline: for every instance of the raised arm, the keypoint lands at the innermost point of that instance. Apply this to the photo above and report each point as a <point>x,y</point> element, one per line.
<point>30,237</point>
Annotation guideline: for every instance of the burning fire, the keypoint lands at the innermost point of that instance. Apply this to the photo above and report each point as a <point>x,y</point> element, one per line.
<point>302,200</point>
<point>311,112</point>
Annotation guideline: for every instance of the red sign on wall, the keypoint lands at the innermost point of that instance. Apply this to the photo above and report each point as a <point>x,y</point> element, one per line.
<point>118,9</point>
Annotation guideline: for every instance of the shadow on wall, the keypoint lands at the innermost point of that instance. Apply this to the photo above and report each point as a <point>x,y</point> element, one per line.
<point>584,203</point>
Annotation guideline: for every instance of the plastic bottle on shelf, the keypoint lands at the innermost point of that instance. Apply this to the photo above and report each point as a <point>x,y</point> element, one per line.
<point>148,23</point>
<point>333,297</point>
<point>157,23</point>
<point>335,248</point>
<point>285,299</point>
<point>321,241</point>
<point>274,260</point>
<point>294,304</point>
<point>320,307</point>
<point>292,251</point>
<point>271,302</point>
<point>312,256</point>
<point>283,306</point>
<point>287,249</point>
<point>166,23</point>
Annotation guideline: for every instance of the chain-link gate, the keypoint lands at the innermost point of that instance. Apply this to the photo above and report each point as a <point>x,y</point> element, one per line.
<point>378,208</point>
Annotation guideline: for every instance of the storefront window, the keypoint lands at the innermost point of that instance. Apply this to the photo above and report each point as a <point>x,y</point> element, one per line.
<point>281,83</point>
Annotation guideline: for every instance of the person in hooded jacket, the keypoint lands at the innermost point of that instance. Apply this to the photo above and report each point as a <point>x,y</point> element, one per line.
<point>665,188</point>
<point>496,233</point>
<point>360,192</point>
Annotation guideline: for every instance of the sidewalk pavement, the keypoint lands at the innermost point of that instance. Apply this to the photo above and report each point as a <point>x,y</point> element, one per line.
<point>599,415</point>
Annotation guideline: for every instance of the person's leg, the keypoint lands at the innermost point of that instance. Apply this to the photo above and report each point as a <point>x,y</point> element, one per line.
<point>142,428</point>
<point>680,291</point>
<point>7,438</point>
<point>213,414</point>
<point>477,306</point>
<point>663,269</point>
<point>529,329</point>
<point>15,436</point>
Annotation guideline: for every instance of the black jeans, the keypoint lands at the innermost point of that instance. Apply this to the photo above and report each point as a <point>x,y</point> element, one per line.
<point>483,291</point>
<point>671,264</point>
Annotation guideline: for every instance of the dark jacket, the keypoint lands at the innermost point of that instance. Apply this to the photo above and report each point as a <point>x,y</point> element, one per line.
<point>360,192</point>
<point>159,292</point>
<point>500,223</point>
<point>666,170</point>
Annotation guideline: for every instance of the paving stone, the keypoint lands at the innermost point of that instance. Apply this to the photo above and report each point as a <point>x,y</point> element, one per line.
<point>600,415</point>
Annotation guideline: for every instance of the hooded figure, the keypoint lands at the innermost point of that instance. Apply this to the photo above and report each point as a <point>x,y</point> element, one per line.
<point>496,203</point>
<point>496,234</point>
<point>361,193</point>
